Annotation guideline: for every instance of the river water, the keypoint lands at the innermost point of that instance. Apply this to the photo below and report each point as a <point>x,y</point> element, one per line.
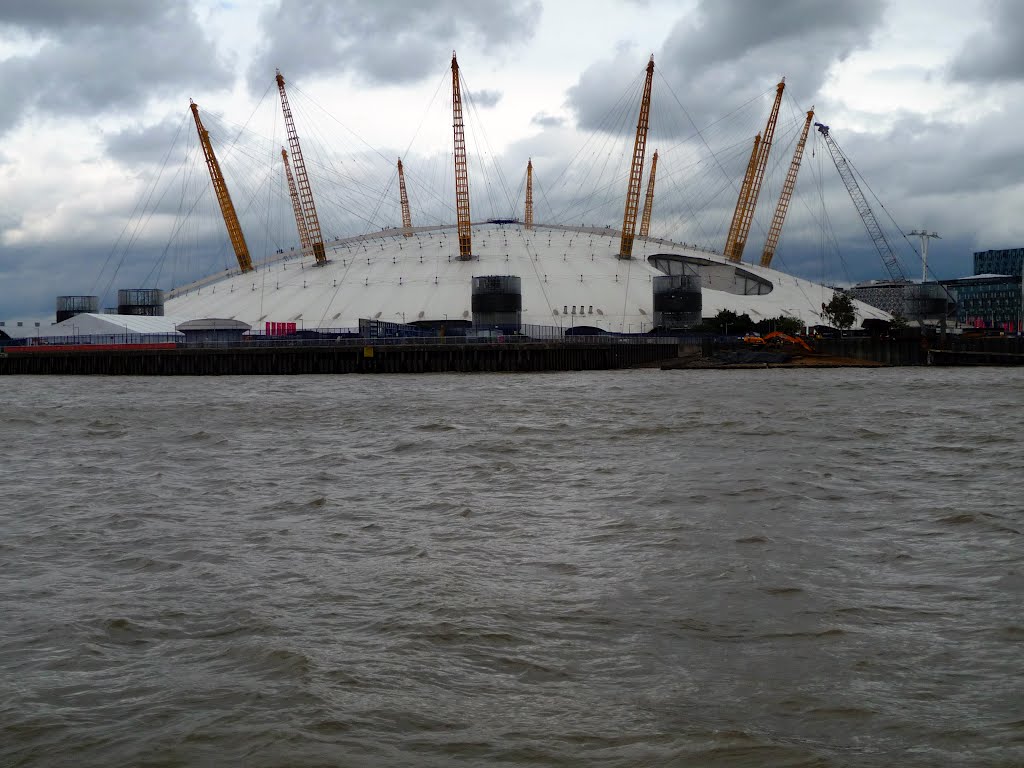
<point>640,568</point>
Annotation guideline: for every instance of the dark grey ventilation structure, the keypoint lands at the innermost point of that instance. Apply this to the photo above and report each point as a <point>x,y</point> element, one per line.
<point>140,301</point>
<point>498,303</point>
<point>213,331</point>
<point>677,301</point>
<point>69,306</point>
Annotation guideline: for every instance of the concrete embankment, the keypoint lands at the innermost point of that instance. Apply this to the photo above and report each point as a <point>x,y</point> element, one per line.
<point>852,352</point>
<point>362,358</point>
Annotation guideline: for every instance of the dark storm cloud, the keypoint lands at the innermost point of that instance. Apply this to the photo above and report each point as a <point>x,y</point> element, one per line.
<point>35,15</point>
<point>729,51</point>
<point>388,41</point>
<point>997,54</point>
<point>150,143</point>
<point>485,99</point>
<point>101,56</point>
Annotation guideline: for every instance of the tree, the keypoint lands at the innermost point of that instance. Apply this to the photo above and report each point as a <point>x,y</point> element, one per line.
<point>782,323</point>
<point>839,312</point>
<point>727,322</point>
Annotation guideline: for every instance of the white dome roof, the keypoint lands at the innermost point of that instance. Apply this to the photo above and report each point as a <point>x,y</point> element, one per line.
<point>565,272</point>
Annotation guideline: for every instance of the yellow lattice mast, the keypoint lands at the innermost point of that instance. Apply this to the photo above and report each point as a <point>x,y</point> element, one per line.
<point>461,169</point>
<point>227,208</point>
<point>528,220</point>
<point>743,217</point>
<point>741,202</point>
<point>772,240</point>
<point>403,197</point>
<point>645,219</point>
<point>300,220</point>
<point>637,170</point>
<point>316,239</point>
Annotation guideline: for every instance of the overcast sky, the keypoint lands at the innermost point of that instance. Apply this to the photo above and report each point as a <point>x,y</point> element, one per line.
<point>925,97</point>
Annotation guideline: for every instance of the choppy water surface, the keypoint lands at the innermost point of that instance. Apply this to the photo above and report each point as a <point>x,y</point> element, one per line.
<point>760,568</point>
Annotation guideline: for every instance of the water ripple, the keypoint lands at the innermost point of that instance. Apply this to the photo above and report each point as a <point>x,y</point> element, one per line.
<point>604,569</point>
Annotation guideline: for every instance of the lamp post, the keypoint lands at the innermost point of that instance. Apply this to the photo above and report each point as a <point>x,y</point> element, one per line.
<point>925,237</point>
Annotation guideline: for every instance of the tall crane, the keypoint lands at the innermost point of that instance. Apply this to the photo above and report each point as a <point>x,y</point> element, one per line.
<point>300,220</point>
<point>645,219</point>
<point>743,216</point>
<point>316,239</point>
<point>461,168</point>
<point>772,241</point>
<point>403,197</point>
<point>227,208</point>
<point>860,202</point>
<point>636,171</point>
<point>528,219</point>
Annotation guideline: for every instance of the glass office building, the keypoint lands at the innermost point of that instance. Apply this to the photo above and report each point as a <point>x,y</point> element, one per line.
<point>987,301</point>
<point>1006,261</point>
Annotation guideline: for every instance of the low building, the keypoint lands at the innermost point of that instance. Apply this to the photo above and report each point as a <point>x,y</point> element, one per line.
<point>924,303</point>
<point>90,327</point>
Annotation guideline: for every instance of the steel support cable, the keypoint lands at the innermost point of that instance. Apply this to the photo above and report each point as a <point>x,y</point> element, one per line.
<point>141,204</point>
<point>186,173</point>
<point>610,124</point>
<point>860,202</point>
<point>699,186</point>
<point>184,222</point>
<point>882,206</point>
<point>698,131</point>
<point>479,129</point>
<point>598,150</point>
<point>598,130</point>
<point>827,227</point>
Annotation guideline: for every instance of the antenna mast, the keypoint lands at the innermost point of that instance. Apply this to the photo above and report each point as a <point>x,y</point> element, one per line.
<point>528,221</point>
<point>300,221</point>
<point>743,216</point>
<point>461,171</point>
<point>772,240</point>
<point>637,170</point>
<point>645,219</point>
<point>404,198</point>
<point>316,239</point>
<point>227,208</point>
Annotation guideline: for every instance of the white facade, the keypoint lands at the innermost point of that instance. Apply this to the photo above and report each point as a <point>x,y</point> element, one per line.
<point>570,276</point>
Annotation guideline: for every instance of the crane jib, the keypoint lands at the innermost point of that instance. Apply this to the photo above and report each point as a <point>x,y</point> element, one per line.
<point>860,202</point>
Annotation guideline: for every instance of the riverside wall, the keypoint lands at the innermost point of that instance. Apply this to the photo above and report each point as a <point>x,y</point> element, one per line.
<point>926,350</point>
<point>362,358</point>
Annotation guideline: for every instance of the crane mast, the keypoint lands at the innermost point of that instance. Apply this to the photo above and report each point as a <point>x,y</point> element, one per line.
<point>528,220</point>
<point>300,221</point>
<point>461,168</point>
<point>645,219</point>
<point>316,239</point>
<point>743,216</point>
<point>227,208</point>
<point>403,197</point>
<point>860,202</point>
<point>772,241</point>
<point>636,171</point>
